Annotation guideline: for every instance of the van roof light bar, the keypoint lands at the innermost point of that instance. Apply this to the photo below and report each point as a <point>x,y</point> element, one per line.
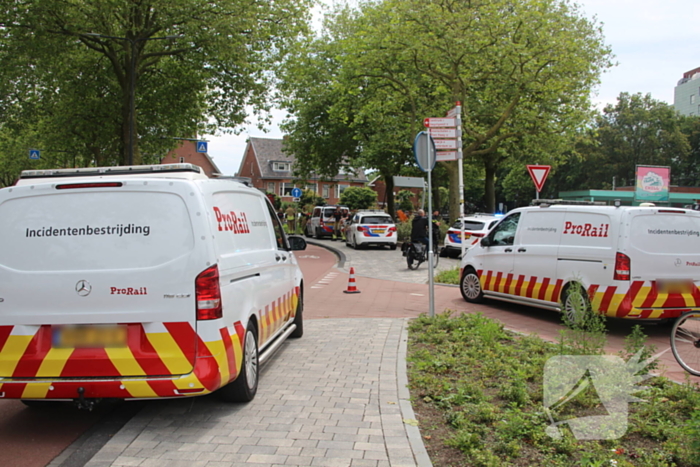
<point>119,170</point>
<point>545,203</point>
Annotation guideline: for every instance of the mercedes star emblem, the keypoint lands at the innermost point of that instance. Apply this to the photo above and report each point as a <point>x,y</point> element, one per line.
<point>83,288</point>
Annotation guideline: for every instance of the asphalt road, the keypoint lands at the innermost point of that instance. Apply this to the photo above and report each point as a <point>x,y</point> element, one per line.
<point>382,263</point>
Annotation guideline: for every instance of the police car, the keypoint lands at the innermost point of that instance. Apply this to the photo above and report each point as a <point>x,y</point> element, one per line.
<point>371,228</point>
<point>475,228</point>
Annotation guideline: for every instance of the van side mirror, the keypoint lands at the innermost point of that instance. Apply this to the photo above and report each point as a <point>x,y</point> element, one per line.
<point>486,242</point>
<point>296,243</point>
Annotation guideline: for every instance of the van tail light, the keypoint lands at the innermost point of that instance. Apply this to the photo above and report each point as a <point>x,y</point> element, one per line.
<point>208,294</point>
<point>320,222</point>
<point>622,267</point>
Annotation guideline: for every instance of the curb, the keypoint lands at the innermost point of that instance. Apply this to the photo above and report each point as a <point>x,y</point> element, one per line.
<point>341,256</point>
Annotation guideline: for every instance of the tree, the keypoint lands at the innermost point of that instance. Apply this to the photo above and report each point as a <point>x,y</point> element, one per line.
<point>356,197</point>
<point>220,52</point>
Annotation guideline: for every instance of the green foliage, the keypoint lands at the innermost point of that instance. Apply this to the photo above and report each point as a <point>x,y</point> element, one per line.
<point>276,200</point>
<point>487,384</point>
<point>62,74</point>
<point>357,198</point>
<point>405,199</point>
<point>310,198</point>
<point>449,276</point>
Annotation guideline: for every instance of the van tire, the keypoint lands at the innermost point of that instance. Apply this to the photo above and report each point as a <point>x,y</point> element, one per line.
<point>299,318</point>
<point>574,299</point>
<point>244,387</point>
<point>470,287</point>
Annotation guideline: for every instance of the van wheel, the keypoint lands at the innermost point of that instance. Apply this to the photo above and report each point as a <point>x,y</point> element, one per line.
<point>470,286</point>
<point>299,318</point>
<point>575,305</point>
<point>243,388</point>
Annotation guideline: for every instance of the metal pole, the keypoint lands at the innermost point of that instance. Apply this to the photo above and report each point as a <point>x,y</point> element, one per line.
<point>431,283</point>
<point>132,102</point>
<point>460,166</point>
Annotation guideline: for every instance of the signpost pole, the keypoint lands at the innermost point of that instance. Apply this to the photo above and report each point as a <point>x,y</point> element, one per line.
<point>460,167</point>
<point>431,282</point>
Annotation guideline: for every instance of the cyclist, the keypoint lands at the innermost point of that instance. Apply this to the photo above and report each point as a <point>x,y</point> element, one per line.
<point>419,228</point>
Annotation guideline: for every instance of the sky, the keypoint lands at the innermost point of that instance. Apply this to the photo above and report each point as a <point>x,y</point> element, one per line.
<point>653,41</point>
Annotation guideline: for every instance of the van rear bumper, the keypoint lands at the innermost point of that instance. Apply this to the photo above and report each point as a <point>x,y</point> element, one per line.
<point>203,380</point>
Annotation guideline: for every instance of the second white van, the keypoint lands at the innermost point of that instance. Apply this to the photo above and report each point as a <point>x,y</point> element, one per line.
<point>630,262</point>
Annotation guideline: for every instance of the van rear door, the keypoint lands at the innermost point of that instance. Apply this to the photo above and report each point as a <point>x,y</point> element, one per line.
<point>664,248</point>
<point>96,280</point>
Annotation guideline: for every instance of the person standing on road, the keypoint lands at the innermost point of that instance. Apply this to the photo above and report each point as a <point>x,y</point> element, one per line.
<point>337,216</point>
<point>436,229</point>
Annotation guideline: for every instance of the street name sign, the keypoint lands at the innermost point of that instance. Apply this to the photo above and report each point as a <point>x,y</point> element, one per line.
<point>443,132</point>
<point>444,156</point>
<point>440,122</point>
<point>539,173</point>
<point>445,144</point>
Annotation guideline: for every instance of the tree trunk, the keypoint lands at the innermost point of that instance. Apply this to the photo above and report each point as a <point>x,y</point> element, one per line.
<point>453,177</point>
<point>490,184</point>
<point>389,190</point>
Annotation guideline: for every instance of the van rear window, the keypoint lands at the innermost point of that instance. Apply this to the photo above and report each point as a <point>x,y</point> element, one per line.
<point>328,212</point>
<point>74,231</point>
<point>666,233</point>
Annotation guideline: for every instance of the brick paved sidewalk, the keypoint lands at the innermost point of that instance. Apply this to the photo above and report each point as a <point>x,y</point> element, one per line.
<point>336,397</point>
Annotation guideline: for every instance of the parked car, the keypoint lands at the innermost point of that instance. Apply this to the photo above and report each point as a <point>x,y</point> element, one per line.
<point>371,228</point>
<point>476,227</point>
<point>624,262</point>
<point>141,282</point>
<point>322,222</point>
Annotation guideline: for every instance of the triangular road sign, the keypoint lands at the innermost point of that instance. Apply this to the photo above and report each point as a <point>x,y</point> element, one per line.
<point>539,175</point>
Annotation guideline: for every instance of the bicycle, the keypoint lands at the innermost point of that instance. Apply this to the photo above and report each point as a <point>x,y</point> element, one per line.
<point>417,253</point>
<point>685,341</point>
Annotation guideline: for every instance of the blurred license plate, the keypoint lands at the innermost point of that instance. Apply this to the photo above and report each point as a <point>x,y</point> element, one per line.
<point>90,336</point>
<point>377,231</point>
<point>675,286</point>
<point>467,236</point>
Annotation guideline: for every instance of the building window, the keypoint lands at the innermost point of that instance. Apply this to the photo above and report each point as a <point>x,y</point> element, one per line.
<point>270,187</point>
<point>312,187</point>
<point>692,98</point>
<point>340,189</point>
<point>286,189</point>
<point>326,192</point>
<point>280,166</point>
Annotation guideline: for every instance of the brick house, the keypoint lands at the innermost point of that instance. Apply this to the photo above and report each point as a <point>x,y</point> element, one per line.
<point>271,170</point>
<point>186,152</point>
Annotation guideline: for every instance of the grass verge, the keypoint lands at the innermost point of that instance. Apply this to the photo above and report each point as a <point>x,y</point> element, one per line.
<point>449,276</point>
<point>478,390</point>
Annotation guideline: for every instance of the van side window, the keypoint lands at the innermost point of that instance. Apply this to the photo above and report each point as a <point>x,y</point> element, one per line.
<point>280,238</point>
<point>504,233</point>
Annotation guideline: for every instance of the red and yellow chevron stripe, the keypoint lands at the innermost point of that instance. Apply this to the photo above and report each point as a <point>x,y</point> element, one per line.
<point>160,359</point>
<point>640,299</point>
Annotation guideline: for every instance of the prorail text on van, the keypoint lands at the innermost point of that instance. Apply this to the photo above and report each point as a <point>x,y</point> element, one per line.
<point>128,291</point>
<point>586,230</point>
<point>232,222</point>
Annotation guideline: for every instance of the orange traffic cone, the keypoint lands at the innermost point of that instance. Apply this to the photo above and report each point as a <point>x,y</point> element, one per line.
<point>351,283</point>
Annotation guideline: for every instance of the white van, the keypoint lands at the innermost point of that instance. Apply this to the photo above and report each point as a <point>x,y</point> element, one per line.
<point>633,262</point>
<point>141,282</point>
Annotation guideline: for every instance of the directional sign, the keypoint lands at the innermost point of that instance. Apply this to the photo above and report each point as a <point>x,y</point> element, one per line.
<point>296,193</point>
<point>440,122</point>
<point>447,156</point>
<point>202,147</point>
<point>446,144</point>
<point>539,175</point>
<point>443,132</point>
<point>34,154</point>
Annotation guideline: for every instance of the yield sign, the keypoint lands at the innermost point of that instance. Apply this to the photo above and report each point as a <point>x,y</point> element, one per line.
<point>539,174</point>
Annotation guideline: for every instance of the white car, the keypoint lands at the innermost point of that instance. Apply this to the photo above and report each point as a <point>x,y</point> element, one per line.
<point>371,228</point>
<point>475,228</point>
